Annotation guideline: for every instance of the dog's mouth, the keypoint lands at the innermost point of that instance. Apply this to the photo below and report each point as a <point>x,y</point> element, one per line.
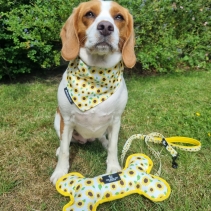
<point>104,45</point>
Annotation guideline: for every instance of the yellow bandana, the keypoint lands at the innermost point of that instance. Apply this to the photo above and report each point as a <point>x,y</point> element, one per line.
<point>89,86</point>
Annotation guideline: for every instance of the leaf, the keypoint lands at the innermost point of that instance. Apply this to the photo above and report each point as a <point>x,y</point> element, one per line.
<point>100,186</point>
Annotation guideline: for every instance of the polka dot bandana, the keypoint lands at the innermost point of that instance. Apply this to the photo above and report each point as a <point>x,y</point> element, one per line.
<point>89,86</point>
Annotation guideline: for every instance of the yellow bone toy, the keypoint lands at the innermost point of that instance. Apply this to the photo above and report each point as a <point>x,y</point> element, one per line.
<point>87,193</point>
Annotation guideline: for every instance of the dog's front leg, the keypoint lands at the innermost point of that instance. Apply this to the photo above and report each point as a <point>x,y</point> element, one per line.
<point>112,159</point>
<point>63,156</point>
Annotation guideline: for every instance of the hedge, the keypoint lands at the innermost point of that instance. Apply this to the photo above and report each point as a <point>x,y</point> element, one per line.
<point>170,35</point>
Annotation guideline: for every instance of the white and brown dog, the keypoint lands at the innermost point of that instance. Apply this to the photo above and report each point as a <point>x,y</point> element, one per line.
<point>97,39</point>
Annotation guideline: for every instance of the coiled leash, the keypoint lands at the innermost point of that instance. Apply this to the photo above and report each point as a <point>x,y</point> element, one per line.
<point>189,144</point>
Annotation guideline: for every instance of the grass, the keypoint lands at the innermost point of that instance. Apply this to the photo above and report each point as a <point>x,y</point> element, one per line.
<point>174,105</point>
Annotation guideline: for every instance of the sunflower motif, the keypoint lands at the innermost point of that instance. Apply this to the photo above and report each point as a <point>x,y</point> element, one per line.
<point>64,179</point>
<point>90,207</point>
<point>84,98</point>
<point>90,194</point>
<point>145,180</point>
<point>98,195</point>
<point>75,99</point>
<point>139,168</point>
<point>100,181</point>
<point>113,186</point>
<point>151,190</point>
<point>130,184</point>
<point>94,101</point>
<point>80,203</point>
<point>69,78</point>
<point>107,194</point>
<point>80,105</point>
<point>78,187</point>
<point>71,64</point>
<point>159,186</point>
<point>69,85</point>
<point>122,183</point>
<point>84,85</point>
<point>160,196</point>
<point>138,186</point>
<point>92,87</point>
<point>102,99</point>
<point>71,182</point>
<point>99,90</point>
<point>79,195</point>
<point>103,79</point>
<point>109,70</point>
<point>131,173</point>
<point>89,182</point>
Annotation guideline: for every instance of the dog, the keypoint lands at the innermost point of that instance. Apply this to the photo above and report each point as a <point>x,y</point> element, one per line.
<point>98,39</point>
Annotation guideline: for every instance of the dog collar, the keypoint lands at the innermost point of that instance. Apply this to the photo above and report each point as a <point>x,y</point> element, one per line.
<point>89,86</point>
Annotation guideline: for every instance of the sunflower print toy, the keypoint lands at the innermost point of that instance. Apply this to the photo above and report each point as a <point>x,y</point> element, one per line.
<point>87,193</point>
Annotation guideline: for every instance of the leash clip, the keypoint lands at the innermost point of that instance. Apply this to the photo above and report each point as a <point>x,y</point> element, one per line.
<point>173,153</point>
<point>174,164</point>
<point>164,142</point>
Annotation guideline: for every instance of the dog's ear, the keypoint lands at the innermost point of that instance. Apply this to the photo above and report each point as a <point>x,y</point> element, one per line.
<point>128,53</point>
<point>69,36</point>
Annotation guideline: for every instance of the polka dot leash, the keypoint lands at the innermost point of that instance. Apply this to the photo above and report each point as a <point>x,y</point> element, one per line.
<point>88,86</point>
<point>187,144</point>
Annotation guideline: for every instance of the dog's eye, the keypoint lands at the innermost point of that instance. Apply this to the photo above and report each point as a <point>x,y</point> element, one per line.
<point>119,17</point>
<point>90,14</point>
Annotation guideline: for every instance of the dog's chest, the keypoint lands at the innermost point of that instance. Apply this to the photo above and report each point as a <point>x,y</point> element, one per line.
<point>93,123</point>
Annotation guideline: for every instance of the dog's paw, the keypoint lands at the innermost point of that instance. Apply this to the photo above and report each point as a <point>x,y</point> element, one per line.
<point>58,173</point>
<point>111,168</point>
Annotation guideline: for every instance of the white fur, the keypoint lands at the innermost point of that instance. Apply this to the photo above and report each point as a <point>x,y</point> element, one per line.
<point>102,119</point>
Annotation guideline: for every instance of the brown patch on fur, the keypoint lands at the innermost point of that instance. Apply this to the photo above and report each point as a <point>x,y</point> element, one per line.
<point>73,33</point>
<point>126,33</point>
<point>61,123</point>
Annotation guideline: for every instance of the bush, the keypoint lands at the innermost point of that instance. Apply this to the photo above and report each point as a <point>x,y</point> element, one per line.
<point>169,34</point>
<point>29,37</point>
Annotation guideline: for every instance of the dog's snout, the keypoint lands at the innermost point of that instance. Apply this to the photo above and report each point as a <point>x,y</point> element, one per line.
<point>105,28</point>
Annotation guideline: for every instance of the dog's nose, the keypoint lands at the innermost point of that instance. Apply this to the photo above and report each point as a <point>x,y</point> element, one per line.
<point>105,28</point>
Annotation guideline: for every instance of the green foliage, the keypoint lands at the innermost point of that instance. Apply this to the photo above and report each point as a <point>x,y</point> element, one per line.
<point>29,37</point>
<point>169,34</point>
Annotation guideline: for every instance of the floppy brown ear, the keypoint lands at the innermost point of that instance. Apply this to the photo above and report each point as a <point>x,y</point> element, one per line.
<point>69,36</point>
<point>128,53</point>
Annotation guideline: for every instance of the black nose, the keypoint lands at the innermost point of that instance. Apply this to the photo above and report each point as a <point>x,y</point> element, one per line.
<point>105,28</point>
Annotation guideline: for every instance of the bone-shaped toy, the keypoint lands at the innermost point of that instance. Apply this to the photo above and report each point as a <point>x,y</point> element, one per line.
<point>87,193</point>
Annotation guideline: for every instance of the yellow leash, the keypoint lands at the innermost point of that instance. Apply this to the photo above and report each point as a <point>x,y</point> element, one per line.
<point>186,144</point>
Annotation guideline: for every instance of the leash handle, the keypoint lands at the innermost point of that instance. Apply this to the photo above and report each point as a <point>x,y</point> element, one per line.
<point>192,145</point>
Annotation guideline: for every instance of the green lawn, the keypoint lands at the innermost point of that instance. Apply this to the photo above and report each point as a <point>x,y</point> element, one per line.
<point>174,105</point>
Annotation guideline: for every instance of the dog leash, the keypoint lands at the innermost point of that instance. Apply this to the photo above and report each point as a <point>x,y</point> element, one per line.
<point>187,144</point>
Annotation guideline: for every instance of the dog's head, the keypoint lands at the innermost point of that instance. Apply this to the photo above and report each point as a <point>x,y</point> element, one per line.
<point>102,28</point>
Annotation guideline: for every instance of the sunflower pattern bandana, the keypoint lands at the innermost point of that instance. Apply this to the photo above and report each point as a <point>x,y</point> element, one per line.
<point>89,86</point>
<point>87,193</point>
